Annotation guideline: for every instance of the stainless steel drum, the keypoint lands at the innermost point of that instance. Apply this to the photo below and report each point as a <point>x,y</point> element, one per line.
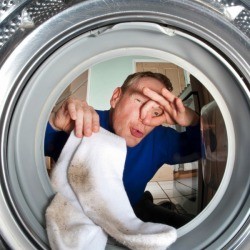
<point>45,44</point>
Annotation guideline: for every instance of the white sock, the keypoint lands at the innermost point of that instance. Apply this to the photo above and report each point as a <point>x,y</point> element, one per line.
<point>69,228</point>
<point>95,174</point>
<point>66,224</point>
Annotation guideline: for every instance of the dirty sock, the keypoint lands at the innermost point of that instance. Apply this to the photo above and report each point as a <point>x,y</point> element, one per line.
<point>69,228</point>
<point>95,175</point>
<point>67,225</point>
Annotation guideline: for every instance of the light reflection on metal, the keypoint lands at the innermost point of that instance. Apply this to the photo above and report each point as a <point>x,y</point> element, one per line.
<point>19,15</point>
<point>26,20</point>
<point>16,15</point>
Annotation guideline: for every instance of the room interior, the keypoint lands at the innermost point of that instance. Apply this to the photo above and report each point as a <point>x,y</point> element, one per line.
<point>189,186</point>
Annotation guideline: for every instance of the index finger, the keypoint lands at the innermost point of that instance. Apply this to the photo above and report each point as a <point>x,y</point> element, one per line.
<point>160,99</point>
<point>168,95</point>
<point>153,95</point>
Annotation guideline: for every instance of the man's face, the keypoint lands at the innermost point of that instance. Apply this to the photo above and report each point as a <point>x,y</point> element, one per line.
<point>126,115</point>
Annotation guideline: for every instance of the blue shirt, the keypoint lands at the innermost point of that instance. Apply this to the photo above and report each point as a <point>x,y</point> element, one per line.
<point>162,145</point>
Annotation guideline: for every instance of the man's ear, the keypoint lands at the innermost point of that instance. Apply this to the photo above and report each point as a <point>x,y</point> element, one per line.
<point>115,97</point>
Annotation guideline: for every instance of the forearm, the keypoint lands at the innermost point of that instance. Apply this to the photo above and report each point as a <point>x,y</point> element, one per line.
<point>186,146</point>
<point>54,142</point>
<point>193,141</point>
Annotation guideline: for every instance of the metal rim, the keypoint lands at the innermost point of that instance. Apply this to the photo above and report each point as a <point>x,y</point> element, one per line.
<point>21,80</point>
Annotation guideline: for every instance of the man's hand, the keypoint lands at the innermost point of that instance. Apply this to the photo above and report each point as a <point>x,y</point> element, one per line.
<point>173,110</point>
<point>77,115</point>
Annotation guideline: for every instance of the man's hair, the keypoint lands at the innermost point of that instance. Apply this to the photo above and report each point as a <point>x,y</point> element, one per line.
<point>134,78</point>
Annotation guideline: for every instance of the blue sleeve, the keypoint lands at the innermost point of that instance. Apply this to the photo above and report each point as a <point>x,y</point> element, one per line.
<point>180,147</point>
<point>54,142</point>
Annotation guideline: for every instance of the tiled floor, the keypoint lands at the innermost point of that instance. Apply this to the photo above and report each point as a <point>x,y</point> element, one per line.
<point>182,192</point>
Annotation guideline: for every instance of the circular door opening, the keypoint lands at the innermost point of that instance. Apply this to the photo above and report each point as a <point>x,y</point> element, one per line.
<point>30,98</point>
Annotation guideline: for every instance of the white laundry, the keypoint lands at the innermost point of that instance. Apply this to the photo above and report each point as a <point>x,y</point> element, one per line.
<point>67,225</point>
<point>91,201</point>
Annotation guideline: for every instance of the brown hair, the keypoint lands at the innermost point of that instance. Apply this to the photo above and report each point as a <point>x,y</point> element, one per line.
<point>134,78</point>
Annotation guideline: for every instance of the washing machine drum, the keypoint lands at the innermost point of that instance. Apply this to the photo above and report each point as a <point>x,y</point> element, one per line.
<point>45,45</point>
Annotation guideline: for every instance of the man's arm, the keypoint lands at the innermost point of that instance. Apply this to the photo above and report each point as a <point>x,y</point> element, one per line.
<point>175,147</point>
<point>54,141</point>
<point>184,146</point>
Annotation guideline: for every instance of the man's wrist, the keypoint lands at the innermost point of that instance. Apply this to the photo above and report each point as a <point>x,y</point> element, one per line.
<point>51,121</point>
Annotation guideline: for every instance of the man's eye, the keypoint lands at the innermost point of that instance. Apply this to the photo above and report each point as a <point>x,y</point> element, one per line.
<point>157,113</point>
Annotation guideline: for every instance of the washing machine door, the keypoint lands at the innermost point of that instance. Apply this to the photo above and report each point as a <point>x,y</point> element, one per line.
<point>45,45</point>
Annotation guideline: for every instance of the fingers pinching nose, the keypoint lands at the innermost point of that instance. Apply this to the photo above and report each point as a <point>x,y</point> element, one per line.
<point>168,95</point>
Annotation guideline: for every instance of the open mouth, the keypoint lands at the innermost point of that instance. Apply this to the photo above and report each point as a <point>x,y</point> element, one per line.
<point>136,133</point>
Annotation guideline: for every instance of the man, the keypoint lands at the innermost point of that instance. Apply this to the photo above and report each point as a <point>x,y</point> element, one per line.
<point>138,109</point>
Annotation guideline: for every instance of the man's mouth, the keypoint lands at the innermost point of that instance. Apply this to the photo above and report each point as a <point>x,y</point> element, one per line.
<point>136,133</point>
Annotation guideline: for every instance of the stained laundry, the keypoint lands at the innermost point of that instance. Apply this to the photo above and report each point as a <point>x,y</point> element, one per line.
<point>91,202</point>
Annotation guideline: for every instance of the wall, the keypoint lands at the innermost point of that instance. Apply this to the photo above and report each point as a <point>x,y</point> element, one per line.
<point>106,76</point>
